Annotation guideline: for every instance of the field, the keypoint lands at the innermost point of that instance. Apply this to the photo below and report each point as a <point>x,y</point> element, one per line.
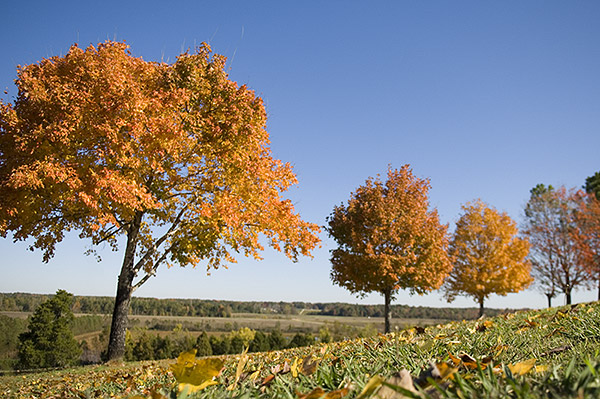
<point>288,324</point>
<point>552,353</point>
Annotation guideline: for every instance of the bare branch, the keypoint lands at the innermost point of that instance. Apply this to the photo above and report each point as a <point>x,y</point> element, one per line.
<point>153,270</point>
<point>160,241</point>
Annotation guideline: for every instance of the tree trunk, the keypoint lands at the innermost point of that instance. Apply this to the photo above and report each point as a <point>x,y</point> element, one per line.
<point>387,310</point>
<point>568,297</point>
<point>481,307</point>
<point>549,296</point>
<point>599,289</point>
<point>118,328</point>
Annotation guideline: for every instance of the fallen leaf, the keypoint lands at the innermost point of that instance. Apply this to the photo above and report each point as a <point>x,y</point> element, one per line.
<point>316,393</point>
<point>294,368</point>
<point>308,366</point>
<point>557,350</point>
<point>521,367</point>
<point>337,394</point>
<point>239,369</point>
<point>542,368</point>
<point>399,386</point>
<point>267,381</point>
<point>195,374</point>
<point>373,384</point>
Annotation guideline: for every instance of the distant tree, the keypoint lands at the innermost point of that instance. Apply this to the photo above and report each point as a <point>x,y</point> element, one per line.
<point>277,340</point>
<point>299,340</point>
<point>388,239</point>
<point>145,348</point>
<point>260,343</point>
<point>174,157</point>
<point>550,227</point>
<point>587,235</point>
<point>237,344</point>
<point>325,335</point>
<point>220,346</point>
<point>488,256</point>
<point>203,345</point>
<point>245,334</point>
<point>592,185</point>
<point>49,341</point>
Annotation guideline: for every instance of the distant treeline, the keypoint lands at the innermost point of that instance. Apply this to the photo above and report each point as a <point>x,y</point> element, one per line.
<point>22,302</point>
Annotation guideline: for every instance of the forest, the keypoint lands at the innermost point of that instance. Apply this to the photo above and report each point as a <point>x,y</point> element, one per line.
<point>24,302</point>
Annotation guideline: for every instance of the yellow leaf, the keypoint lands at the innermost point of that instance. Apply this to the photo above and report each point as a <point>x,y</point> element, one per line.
<point>240,369</point>
<point>446,371</point>
<point>373,384</point>
<point>294,368</point>
<point>195,374</point>
<point>521,367</point>
<point>542,368</point>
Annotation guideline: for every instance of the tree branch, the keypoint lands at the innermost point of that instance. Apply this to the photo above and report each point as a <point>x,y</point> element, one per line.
<point>159,242</point>
<point>153,270</point>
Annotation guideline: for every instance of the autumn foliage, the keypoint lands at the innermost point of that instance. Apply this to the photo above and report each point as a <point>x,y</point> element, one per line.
<point>173,156</point>
<point>387,238</point>
<point>488,256</point>
<point>551,225</point>
<point>587,235</point>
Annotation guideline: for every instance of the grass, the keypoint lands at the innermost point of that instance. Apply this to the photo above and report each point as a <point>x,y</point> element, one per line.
<point>551,353</point>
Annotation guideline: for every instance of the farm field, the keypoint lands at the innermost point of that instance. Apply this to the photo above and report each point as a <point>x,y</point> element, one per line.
<point>260,322</point>
<point>550,353</point>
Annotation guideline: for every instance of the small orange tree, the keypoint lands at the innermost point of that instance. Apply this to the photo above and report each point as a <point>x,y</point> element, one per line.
<point>174,157</point>
<point>388,239</point>
<point>488,256</point>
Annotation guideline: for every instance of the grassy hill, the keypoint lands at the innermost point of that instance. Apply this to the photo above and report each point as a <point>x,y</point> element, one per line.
<point>551,353</point>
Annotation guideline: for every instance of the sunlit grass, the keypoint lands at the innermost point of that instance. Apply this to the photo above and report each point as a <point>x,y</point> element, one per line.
<point>556,350</point>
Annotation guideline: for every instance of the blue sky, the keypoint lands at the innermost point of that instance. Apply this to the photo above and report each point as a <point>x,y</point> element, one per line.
<point>487,99</point>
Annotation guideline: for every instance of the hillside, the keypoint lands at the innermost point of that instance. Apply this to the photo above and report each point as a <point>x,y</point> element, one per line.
<point>551,353</point>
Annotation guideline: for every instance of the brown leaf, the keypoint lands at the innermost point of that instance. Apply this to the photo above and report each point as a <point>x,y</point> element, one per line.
<point>337,394</point>
<point>316,393</point>
<point>308,366</point>
<point>554,351</point>
<point>403,380</point>
<point>267,381</point>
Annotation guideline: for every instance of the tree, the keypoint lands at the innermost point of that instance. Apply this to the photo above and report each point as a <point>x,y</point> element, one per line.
<point>260,343</point>
<point>488,256</point>
<point>587,234</point>
<point>49,341</point>
<point>550,225</point>
<point>388,239</point>
<point>203,345</point>
<point>174,158</point>
<point>277,340</point>
<point>592,185</point>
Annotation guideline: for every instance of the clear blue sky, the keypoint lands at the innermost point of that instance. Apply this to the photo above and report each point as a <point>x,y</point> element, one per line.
<point>487,99</point>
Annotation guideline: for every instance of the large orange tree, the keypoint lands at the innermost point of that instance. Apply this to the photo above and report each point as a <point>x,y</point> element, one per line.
<point>174,158</point>
<point>387,239</point>
<point>488,256</point>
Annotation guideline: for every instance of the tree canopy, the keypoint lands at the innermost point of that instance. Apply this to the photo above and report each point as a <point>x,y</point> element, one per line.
<point>387,238</point>
<point>175,157</point>
<point>488,256</point>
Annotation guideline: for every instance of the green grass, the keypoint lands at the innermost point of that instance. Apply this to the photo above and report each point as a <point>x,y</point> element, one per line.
<point>563,343</point>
